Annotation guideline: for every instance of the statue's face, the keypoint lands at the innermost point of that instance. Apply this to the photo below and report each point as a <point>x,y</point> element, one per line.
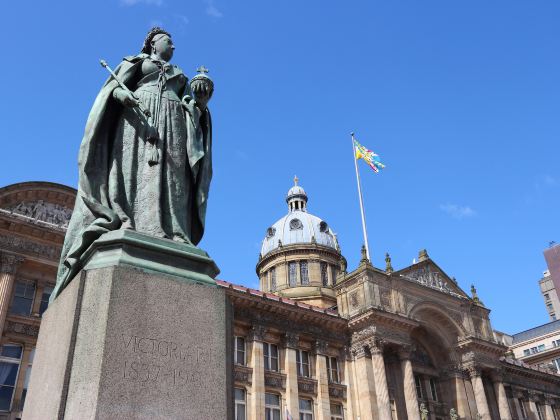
<point>163,47</point>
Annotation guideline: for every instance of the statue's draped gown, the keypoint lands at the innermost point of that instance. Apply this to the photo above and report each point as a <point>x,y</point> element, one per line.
<point>118,187</point>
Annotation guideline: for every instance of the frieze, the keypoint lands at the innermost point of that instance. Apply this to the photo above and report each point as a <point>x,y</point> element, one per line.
<point>52,213</point>
<point>20,328</point>
<point>431,279</point>
<point>17,243</point>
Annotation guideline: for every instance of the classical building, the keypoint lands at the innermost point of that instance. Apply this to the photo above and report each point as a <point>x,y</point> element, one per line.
<point>539,346</point>
<point>317,341</point>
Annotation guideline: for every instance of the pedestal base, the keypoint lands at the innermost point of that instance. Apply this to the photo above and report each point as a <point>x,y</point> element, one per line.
<point>121,342</point>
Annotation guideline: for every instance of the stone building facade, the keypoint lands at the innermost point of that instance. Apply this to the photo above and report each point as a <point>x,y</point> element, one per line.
<point>317,341</point>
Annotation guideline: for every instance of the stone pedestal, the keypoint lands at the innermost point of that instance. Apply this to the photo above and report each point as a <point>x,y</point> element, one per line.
<point>135,343</point>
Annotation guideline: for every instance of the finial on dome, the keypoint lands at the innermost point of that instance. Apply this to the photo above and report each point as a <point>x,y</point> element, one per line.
<point>296,180</point>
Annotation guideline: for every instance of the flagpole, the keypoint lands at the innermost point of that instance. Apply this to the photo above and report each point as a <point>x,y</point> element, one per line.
<point>360,196</point>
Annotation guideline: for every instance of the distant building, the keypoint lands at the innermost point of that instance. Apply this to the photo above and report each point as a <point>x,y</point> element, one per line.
<point>316,341</point>
<point>539,346</point>
<point>550,283</point>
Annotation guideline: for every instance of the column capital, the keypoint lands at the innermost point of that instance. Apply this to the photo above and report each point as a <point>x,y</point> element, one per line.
<point>405,351</point>
<point>291,340</point>
<point>320,347</point>
<point>474,371</point>
<point>533,396</point>
<point>358,350</point>
<point>256,333</point>
<point>497,375</point>
<point>9,263</point>
<point>375,346</point>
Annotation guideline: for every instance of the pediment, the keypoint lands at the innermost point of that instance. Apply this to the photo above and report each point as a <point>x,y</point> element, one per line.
<point>428,274</point>
<point>39,201</point>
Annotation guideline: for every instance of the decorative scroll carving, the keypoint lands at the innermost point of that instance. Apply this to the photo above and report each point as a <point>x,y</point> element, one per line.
<point>291,340</point>
<point>354,299</point>
<point>9,263</point>
<point>275,380</point>
<point>20,244</point>
<point>307,385</point>
<point>25,329</point>
<point>321,347</point>
<point>256,333</point>
<point>54,214</point>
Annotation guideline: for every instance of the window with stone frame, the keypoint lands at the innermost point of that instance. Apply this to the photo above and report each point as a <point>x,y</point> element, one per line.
<point>305,409</point>
<point>47,291</point>
<point>304,273</point>
<point>10,359</point>
<point>272,407</point>
<point>433,389</point>
<point>333,274</point>
<point>240,353</point>
<point>418,383</point>
<point>24,293</point>
<point>270,352</point>
<point>337,412</point>
<point>292,274</point>
<point>27,377</point>
<point>273,279</point>
<point>302,362</point>
<point>332,368</point>
<point>240,404</point>
<point>324,274</point>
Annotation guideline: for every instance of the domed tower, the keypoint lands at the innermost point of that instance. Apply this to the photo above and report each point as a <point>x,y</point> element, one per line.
<point>300,256</point>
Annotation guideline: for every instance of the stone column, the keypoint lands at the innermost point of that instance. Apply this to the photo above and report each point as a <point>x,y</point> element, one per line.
<point>500,392</point>
<point>516,395</point>
<point>532,407</point>
<point>256,399</point>
<point>479,395</point>
<point>548,413</point>
<point>458,392</point>
<point>9,264</point>
<point>365,383</point>
<point>323,401</point>
<point>348,378</point>
<point>380,377</point>
<point>290,367</point>
<point>410,397</point>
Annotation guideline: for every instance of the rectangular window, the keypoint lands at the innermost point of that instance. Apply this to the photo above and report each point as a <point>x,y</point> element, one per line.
<point>272,408</point>
<point>240,404</point>
<point>273,279</point>
<point>240,351</point>
<point>27,377</point>
<point>45,299</point>
<point>433,389</point>
<point>539,411</point>
<point>303,273</point>
<point>540,348</point>
<point>556,343</point>
<point>522,408</point>
<point>526,352</point>
<point>10,358</point>
<point>547,297</point>
<point>333,273</point>
<point>337,412</point>
<point>305,409</point>
<point>418,383</point>
<point>332,367</point>
<point>557,364</point>
<point>23,297</point>
<point>292,274</point>
<point>549,306</point>
<point>324,274</point>
<point>270,357</point>
<point>302,362</point>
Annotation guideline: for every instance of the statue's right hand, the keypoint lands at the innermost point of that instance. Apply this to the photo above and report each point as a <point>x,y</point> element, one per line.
<point>125,98</point>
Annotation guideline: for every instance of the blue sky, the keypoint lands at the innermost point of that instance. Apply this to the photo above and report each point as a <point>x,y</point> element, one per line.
<point>460,99</point>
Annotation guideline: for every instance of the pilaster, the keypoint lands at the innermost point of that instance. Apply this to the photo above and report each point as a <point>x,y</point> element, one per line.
<point>256,399</point>
<point>290,367</point>
<point>323,401</point>
<point>9,264</point>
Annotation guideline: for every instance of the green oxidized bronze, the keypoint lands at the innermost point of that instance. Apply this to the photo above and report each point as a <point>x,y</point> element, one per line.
<point>145,160</point>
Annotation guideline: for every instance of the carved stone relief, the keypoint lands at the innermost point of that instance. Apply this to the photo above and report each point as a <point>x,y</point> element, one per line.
<point>44,211</point>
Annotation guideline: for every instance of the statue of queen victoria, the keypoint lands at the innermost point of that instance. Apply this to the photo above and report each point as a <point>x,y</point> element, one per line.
<point>145,161</point>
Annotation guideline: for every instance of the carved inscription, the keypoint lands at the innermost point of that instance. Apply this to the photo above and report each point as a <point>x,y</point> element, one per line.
<point>154,361</point>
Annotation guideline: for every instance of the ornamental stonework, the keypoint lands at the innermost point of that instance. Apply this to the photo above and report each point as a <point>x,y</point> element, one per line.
<point>17,243</point>
<point>20,328</point>
<point>52,213</point>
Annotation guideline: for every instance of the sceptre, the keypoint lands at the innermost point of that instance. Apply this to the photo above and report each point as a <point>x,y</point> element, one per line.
<point>154,156</point>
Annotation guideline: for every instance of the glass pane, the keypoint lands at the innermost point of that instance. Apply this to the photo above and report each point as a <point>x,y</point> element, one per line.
<point>21,306</point>
<point>274,365</point>
<point>20,288</point>
<point>8,373</point>
<point>239,394</point>
<point>6,397</point>
<point>11,350</point>
<point>272,399</point>
<point>336,409</point>
<point>274,350</point>
<point>240,412</point>
<point>304,404</point>
<point>276,415</point>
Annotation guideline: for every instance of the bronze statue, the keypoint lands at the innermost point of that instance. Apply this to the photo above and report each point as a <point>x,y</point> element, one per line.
<point>145,161</point>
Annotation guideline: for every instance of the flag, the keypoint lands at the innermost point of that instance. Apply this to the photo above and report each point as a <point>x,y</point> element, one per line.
<point>371,158</point>
<point>288,415</point>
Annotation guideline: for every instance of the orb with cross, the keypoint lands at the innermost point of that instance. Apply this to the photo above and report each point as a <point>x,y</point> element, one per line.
<point>202,87</point>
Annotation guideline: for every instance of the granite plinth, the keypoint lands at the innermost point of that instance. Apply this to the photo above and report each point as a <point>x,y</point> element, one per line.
<point>133,343</point>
